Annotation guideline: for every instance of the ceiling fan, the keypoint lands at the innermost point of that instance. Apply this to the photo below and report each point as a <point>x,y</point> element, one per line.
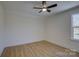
<point>45,7</point>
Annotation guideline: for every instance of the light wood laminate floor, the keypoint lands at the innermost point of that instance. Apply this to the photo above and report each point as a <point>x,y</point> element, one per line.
<point>38,49</point>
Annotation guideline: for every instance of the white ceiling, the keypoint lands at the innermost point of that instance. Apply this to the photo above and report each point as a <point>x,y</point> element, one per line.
<point>26,7</point>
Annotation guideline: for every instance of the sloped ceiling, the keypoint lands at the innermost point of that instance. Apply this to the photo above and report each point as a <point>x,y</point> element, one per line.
<point>26,7</point>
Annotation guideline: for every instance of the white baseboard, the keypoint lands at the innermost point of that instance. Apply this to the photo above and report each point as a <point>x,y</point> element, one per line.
<point>74,50</point>
<point>20,43</point>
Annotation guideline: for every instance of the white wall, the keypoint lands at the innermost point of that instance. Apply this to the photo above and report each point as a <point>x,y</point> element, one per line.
<point>23,28</point>
<point>18,26</point>
<point>59,29</point>
<point>1,28</point>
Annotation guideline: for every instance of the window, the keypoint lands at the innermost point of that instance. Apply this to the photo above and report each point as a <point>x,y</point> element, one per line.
<point>75,26</point>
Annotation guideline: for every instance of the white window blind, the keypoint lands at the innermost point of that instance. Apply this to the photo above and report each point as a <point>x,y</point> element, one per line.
<point>75,26</point>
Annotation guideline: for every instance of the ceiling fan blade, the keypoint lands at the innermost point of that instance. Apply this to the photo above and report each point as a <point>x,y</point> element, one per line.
<point>48,10</point>
<point>40,11</point>
<point>54,5</point>
<point>37,8</point>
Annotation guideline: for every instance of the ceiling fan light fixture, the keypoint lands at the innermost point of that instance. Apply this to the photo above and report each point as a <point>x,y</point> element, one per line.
<point>44,9</point>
